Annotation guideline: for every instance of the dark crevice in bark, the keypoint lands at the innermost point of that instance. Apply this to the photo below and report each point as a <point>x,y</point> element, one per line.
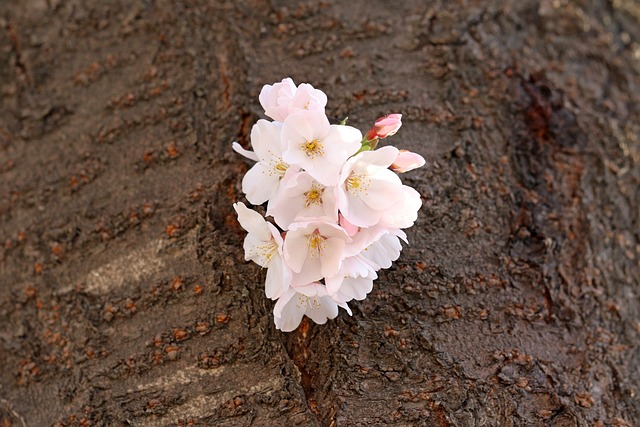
<point>547,161</point>
<point>297,346</point>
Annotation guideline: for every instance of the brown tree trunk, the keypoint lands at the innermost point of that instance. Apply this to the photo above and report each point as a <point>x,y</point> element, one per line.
<point>124,297</point>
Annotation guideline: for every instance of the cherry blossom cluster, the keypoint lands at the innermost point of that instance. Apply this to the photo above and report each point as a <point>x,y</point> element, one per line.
<point>337,202</point>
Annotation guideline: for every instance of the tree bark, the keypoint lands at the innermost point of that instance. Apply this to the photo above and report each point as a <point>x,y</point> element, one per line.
<point>124,296</point>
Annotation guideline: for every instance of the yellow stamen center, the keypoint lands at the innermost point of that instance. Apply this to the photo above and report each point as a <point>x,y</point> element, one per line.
<point>266,251</point>
<point>313,148</point>
<point>277,167</point>
<point>316,244</point>
<point>357,183</point>
<point>314,196</point>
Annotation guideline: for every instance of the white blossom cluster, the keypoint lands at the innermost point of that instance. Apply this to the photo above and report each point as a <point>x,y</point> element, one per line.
<point>338,204</point>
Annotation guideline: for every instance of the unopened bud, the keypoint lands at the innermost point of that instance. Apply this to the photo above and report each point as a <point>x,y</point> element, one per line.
<point>385,126</point>
<point>407,161</point>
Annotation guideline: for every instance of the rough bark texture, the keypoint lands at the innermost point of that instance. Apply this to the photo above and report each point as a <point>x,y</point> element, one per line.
<point>124,297</point>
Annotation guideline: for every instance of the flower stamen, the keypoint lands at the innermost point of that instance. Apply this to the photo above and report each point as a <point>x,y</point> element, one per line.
<point>267,250</point>
<point>304,300</point>
<point>316,244</point>
<point>277,167</point>
<point>313,148</point>
<point>281,168</point>
<point>357,183</point>
<point>314,196</point>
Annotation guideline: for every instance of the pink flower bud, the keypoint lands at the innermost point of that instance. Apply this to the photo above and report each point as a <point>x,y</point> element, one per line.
<point>385,126</point>
<point>407,161</point>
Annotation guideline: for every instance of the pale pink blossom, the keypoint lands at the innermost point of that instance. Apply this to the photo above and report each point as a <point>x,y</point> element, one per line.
<point>281,99</point>
<point>338,200</point>
<point>307,98</point>
<point>407,161</point>
<point>354,288</point>
<point>378,244</point>
<point>385,126</point>
<point>386,249</point>
<point>311,300</point>
<point>264,246</point>
<point>367,188</point>
<point>404,212</point>
<point>356,273</point>
<point>317,146</point>
<point>313,250</point>
<point>261,182</point>
<point>303,197</point>
<point>365,237</point>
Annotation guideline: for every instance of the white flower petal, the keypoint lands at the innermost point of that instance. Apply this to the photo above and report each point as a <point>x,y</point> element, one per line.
<point>284,207</point>
<point>382,157</point>
<point>357,212</point>
<point>384,251</point>
<point>289,309</point>
<point>314,249</point>
<point>352,268</point>
<point>302,197</point>
<point>284,98</point>
<point>275,99</point>
<point>404,213</point>
<point>277,236</point>
<point>363,238</point>
<point>265,140</point>
<point>384,191</point>
<point>296,251</point>
<point>252,251</point>
<point>308,98</point>
<point>324,171</point>
<point>304,134</point>
<point>347,226</point>
<point>283,301</point>
<point>302,127</point>
<point>333,283</point>
<point>277,281</point>
<point>343,141</point>
<point>330,204</point>
<point>246,153</point>
<point>321,308</point>
<point>252,221</point>
<point>312,289</point>
<point>344,305</point>
<point>367,188</point>
<point>260,184</point>
<point>356,288</point>
<point>311,300</point>
<point>332,256</point>
<point>358,266</point>
<point>310,272</point>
